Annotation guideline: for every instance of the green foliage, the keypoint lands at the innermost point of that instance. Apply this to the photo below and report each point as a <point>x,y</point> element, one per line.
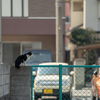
<point>82,37</point>
<point>91,58</point>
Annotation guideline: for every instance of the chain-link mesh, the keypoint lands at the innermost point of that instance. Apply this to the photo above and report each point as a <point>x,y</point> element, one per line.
<point>79,83</point>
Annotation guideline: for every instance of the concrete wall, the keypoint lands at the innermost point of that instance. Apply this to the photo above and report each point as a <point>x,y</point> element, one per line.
<point>91,14</point>
<point>4,82</point>
<point>20,83</point>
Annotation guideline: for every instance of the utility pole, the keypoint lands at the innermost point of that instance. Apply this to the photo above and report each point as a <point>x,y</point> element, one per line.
<point>59,34</point>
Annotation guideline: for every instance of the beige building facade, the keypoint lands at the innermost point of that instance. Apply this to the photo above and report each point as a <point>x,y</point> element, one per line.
<point>83,14</point>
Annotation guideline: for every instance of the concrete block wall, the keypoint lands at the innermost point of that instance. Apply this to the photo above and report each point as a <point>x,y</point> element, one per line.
<point>4,82</point>
<point>20,83</point>
<point>79,76</point>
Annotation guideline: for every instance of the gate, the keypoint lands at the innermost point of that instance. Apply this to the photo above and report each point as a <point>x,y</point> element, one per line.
<point>61,81</point>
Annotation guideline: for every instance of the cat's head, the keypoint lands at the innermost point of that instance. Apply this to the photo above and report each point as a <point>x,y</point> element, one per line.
<point>29,53</point>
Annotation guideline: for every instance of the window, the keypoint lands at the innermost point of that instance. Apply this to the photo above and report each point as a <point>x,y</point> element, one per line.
<point>6,8</point>
<point>10,51</point>
<point>25,3</point>
<point>78,6</point>
<point>67,20</point>
<point>17,8</point>
<point>14,8</point>
<point>39,57</point>
<point>52,71</point>
<point>31,45</point>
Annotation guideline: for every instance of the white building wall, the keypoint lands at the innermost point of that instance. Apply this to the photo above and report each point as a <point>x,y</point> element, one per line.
<point>91,14</point>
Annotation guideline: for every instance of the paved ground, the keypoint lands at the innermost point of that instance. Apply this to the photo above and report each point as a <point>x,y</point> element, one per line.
<point>82,99</point>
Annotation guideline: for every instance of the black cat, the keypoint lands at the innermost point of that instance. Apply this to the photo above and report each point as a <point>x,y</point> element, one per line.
<point>22,59</point>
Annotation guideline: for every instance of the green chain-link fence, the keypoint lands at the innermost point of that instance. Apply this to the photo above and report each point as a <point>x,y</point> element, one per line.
<point>58,80</point>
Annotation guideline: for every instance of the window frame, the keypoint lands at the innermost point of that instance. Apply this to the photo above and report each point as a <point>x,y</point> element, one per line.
<point>23,14</point>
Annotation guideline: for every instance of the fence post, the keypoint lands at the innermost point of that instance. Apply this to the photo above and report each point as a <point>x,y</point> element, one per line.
<point>31,84</point>
<point>60,82</point>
